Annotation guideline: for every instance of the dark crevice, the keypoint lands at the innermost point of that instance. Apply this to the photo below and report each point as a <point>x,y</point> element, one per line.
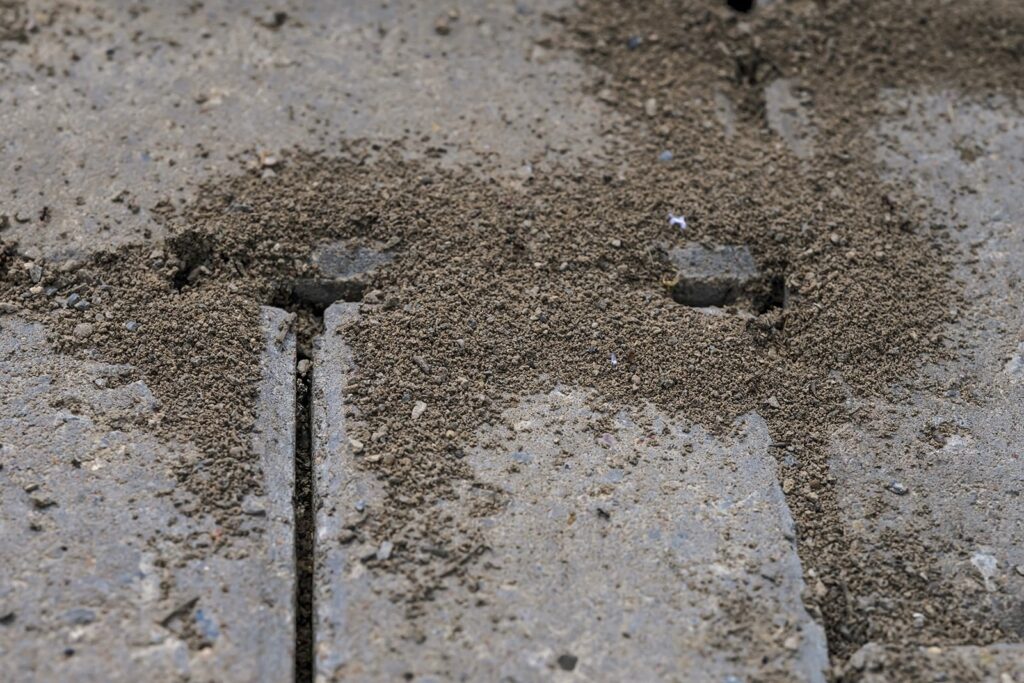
<point>304,514</point>
<point>741,5</point>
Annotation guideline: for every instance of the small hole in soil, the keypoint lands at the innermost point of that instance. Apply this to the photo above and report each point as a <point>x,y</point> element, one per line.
<point>741,5</point>
<point>774,297</point>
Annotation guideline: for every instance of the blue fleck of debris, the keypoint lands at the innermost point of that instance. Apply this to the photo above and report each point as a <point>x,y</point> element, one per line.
<point>634,42</point>
<point>666,155</point>
<point>207,626</point>
<point>80,615</point>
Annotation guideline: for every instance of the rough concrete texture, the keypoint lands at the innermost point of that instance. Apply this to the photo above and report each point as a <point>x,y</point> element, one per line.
<point>173,91</point>
<point>112,579</point>
<point>939,461</point>
<point>711,276</point>
<point>651,551</point>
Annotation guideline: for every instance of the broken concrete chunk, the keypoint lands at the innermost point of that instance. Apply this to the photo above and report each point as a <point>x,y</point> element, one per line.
<point>343,271</point>
<point>711,276</point>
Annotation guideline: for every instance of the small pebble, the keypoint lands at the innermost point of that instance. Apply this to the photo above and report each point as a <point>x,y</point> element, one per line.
<point>83,330</point>
<point>666,156</point>
<point>417,409</point>
<point>73,299</point>
<point>132,326</point>
<point>651,107</point>
<point>898,488</point>
<point>384,552</point>
<point>253,506</point>
<point>356,444</point>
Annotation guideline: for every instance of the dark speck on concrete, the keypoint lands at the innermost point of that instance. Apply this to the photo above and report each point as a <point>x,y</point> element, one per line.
<point>567,662</point>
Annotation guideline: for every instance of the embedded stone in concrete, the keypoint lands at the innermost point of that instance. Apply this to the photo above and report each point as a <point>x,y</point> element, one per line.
<point>652,551</point>
<point>343,271</point>
<point>787,117</point>
<point>951,437</point>
<point>711,276</point>
<point>112,580</point>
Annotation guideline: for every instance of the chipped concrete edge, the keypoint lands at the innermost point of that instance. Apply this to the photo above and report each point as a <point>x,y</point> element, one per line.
<point>274,444</point>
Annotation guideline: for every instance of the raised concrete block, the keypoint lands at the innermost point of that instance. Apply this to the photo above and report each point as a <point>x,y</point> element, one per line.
<point>651,551</point>
<point>104,577</point>
<point>343,271</point>
<point>711,276</point>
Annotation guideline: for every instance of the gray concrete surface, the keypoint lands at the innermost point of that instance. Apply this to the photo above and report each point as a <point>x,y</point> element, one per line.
<point>653,551</point>
<point>106,575</point>
<point>176,92</point>
<point>950,440</point>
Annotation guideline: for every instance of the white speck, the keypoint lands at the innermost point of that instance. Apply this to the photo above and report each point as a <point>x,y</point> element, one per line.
<point>986,566</point>
<point>677,220</point>
<point>614,360</point>
<point>384,552</point>
<point>418,409</point>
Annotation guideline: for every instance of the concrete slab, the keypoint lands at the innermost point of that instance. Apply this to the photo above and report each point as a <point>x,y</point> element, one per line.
<point>111,580</point>
<point>175,93</point>
<point>650,551</point>
<point>938,462</point>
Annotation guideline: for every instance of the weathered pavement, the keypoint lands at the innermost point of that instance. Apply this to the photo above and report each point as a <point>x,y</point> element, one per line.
<point>647,551</point>
<point>940,462</point>
<point>614,556</point>
<point>251,82</point>
<point>106,575</point>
